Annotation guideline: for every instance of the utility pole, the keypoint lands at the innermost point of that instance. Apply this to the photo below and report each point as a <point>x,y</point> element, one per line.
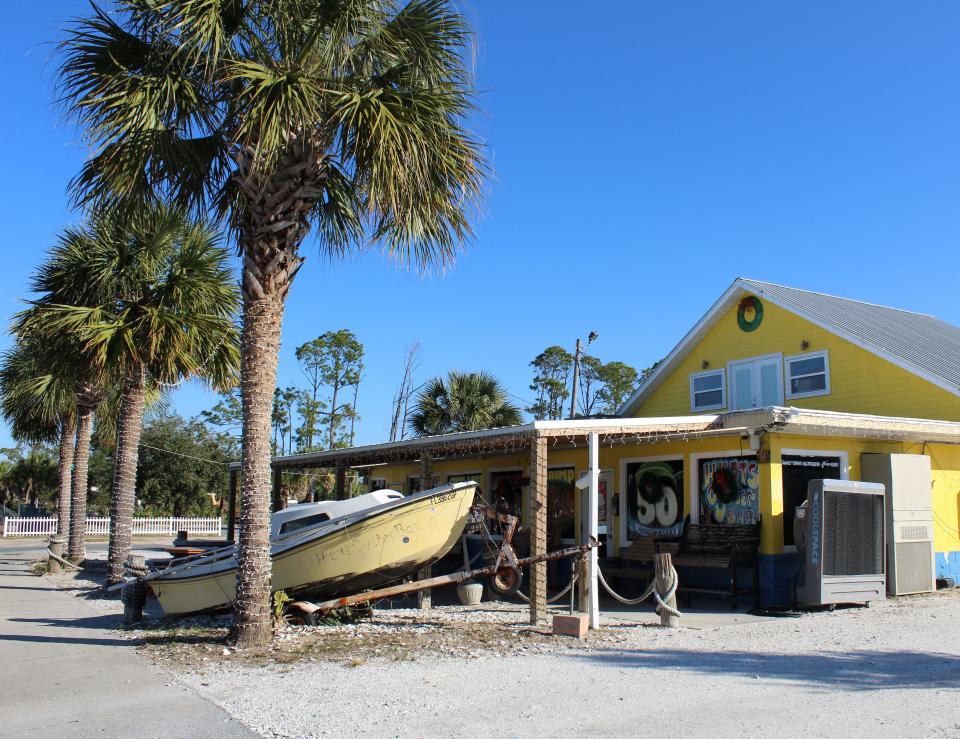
<point>576,372</point>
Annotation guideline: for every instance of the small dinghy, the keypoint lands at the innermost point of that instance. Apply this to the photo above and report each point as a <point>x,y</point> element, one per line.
<point>378,541</point>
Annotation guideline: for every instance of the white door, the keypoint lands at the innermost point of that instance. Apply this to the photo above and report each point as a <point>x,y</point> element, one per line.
<point>756,383</point>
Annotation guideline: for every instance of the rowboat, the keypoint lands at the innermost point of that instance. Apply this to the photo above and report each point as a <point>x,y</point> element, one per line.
<point>346,554</point>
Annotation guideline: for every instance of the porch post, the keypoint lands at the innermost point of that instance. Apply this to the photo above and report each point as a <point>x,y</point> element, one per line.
<point>593,512</point>
<point>277,492</point>
<point>537,516</point>
<point>341,481</point>
<point>232,508</point>
<point>424,597</point>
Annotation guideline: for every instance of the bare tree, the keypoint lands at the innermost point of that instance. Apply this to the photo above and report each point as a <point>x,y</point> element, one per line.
<point>401,398</point>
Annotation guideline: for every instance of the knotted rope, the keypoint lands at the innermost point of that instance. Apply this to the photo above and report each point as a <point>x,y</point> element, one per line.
<point>661,599</point>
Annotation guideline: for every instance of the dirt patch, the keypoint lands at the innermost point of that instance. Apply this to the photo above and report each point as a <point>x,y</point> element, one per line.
<point>391,635</point>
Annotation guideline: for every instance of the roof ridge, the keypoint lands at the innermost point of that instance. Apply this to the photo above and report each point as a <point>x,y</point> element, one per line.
<point>838,297</point>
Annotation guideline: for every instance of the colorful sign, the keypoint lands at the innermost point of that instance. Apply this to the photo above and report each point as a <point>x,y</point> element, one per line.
<point>654,496</point>
<point>730,490</point>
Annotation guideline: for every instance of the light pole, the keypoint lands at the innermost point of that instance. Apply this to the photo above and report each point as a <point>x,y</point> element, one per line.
<point>576,372</point>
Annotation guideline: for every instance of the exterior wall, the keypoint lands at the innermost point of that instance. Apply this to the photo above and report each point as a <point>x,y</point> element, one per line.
<point>860,382</point>
<point>778,566</point>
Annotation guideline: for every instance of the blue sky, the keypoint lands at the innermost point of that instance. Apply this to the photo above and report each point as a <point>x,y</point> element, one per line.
<point>646,154</point>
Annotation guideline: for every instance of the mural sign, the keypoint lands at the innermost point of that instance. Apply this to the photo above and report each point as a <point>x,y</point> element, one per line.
<point>654,497</point>
<point>729,490</point>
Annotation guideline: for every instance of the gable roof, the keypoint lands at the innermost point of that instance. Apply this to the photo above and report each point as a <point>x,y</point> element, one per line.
<point>916,342</point>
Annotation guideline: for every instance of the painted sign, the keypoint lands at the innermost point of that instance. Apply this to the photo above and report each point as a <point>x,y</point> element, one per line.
<point>654,496</point>
<point>729,490</point>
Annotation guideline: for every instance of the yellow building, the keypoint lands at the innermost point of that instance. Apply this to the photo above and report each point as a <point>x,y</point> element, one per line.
<point>774,386</point>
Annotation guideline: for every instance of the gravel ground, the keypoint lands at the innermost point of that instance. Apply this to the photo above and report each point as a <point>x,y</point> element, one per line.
<point>892,669</point>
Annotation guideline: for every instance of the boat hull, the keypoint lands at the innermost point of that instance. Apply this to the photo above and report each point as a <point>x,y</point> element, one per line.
<point>340,560</point>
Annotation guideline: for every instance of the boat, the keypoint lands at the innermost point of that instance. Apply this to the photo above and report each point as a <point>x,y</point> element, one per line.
<point>366,547</point>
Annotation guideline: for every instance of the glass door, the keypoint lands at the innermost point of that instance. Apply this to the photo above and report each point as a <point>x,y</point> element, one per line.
<point>756,383</point>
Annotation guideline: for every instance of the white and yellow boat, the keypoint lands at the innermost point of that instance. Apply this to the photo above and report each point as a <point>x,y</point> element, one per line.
<point>344,555</point>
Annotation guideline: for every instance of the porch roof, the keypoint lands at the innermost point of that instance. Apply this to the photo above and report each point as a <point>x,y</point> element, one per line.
<point>500,440</point>
<point>516,439</point>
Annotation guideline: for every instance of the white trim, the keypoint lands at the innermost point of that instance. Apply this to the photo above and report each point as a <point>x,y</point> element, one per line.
<point>694,376</point>
<point>699,328</point>
<point>624,541</point>
<point>774,357</point>
<point>844,458</point>
<point>799,357</point>
<point>694,490</point>
<point>372,480</point>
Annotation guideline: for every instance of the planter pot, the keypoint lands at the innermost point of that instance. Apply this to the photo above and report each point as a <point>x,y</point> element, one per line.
<point>470,593</point>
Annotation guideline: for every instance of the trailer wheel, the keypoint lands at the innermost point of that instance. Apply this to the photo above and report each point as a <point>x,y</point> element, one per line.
<point>297,616</point>
<point>505,582</point>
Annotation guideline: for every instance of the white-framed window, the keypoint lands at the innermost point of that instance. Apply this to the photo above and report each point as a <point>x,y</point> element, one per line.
<point>808,375</point>
<point>708,390</point>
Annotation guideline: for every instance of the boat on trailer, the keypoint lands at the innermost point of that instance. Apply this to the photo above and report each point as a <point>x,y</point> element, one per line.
<point>339,551</point>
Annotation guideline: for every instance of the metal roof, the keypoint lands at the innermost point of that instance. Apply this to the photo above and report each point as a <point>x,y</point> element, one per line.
<point>919,343</point>
<point>920,340</point>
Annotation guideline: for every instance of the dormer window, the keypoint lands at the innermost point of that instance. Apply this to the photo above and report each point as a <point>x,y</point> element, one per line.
<point>708,390</point>
<point>808,375</point>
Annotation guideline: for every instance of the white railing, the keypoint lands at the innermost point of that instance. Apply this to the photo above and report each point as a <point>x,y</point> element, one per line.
<point>142,526</point>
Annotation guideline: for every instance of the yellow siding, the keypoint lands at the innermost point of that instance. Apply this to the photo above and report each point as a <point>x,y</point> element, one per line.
<point>860,381</point>
<point>945,461</point>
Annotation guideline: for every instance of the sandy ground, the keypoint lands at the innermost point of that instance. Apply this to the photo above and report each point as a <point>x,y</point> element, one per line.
<point>891,670</point>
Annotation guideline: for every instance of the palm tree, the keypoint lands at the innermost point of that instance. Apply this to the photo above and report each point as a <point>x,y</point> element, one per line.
<point>40,407</point>
<point>467,401</point>
<point>340,117</point>
<point>151,298</point>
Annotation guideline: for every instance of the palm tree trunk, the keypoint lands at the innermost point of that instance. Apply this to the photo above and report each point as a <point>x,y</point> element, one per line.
<point>129,428</point>
<point>262,318</point>
<point>78,486</point>
<point>68,432</point>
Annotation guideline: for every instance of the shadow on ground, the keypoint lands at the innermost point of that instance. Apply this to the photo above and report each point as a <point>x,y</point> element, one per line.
<point>858,670</point>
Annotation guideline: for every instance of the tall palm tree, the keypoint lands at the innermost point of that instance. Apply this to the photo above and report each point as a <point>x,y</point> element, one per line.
<point>41,407</point>
<point>150,297</point>
<point>340,117</point>
<point>466,401</point>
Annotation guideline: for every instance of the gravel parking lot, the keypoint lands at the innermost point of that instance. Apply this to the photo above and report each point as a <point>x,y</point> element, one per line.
<point>892,669</point>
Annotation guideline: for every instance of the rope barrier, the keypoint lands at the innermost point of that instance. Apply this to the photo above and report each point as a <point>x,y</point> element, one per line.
<point>662,604</point>
<point>64,562</point>
<point>558,596</point>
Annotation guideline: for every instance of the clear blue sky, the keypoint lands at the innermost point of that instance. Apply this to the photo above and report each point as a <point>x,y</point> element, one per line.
<point>645,153</point>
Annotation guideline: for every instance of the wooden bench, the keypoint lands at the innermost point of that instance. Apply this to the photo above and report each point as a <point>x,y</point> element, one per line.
<point>730,547</point>
<point>636,560</point>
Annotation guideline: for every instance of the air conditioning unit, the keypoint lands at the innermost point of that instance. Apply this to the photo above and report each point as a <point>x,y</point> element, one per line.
<point>911,561</point>
<point>840,537</point>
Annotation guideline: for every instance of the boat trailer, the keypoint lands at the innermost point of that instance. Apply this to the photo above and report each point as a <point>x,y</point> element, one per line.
<point>504,572</point>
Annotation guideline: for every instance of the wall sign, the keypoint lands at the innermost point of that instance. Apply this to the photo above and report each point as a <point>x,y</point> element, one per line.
<point>654,496</point>
<point>729,490</point>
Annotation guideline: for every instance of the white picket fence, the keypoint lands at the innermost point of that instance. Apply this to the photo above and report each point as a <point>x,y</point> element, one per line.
<point>101,526</point>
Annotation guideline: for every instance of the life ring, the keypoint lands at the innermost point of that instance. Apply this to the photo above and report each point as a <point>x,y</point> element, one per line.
<point>750,304</point>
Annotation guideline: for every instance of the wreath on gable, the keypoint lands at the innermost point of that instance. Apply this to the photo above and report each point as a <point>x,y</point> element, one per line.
<point>725,486</point>
<point>749,313</point>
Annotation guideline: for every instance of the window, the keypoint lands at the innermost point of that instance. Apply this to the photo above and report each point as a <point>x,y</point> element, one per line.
<point>808,375</point>
<point>756,382</point>
<point>302,523</point>
<point>707,390</point>
<point>378,483</point>
<point>797,471</point>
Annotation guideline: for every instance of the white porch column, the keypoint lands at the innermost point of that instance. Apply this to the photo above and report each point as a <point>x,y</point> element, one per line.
<point>593,513</point>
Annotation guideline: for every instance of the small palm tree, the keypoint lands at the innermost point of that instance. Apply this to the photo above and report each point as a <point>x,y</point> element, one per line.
<point>40,407</point>
<point>466,401</point>
<point>339,117</point>
<point>152,301</point>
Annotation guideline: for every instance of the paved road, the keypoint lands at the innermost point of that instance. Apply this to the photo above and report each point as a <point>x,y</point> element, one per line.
<point>66,673</point>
